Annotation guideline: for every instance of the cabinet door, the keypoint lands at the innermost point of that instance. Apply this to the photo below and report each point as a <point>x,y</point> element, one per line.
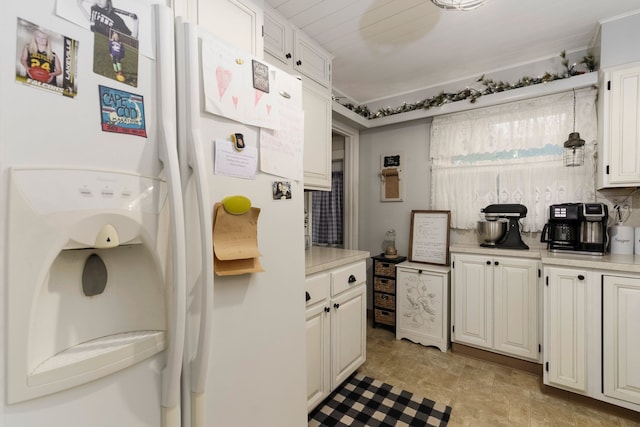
<point>316,104</point>
<point>278,37</point>
<point>473,300</point>
<point>310,60</point>
<point>421,307</point>
<point>318,354</point>
<point>620,343</point>
<point>565,328</point>
<point>515,305</point>
<point>622,113</point>
<point>348,333</point>
<point>238,22</point>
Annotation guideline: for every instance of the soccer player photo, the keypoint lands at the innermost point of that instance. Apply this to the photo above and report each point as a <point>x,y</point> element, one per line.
<point>115,40</point>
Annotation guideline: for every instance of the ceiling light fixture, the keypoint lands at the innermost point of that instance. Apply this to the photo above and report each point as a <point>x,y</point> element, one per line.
<point>459,4</point>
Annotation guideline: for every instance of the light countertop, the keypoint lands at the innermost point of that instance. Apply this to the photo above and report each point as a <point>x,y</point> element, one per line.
<point>320,258</point>
<point>613,262</point>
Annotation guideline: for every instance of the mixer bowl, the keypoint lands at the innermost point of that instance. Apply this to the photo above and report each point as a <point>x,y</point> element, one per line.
<point>490,232</point>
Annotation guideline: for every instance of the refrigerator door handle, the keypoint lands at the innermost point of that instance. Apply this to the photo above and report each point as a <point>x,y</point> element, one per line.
<point>196,155</point>
<point>169,157</point>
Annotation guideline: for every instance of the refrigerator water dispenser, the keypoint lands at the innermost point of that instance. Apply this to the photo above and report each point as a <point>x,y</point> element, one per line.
<point>87,276</point>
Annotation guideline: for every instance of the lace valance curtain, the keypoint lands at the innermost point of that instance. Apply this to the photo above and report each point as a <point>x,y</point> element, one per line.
<point>513,153</point>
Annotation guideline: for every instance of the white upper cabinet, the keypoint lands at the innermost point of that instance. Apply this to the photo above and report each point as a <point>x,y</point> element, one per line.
<point>295,50</point>
<point>238,22</point>
<point>619,127</point>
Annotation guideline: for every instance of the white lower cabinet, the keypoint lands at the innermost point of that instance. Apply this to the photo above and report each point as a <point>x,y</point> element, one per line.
<point>565,328</point>
<point>496,304</point>
<point>336,328</point>
<point>620,340</point>
<point>591,324</point>
<point>318,338</point>
<point>422,304</point>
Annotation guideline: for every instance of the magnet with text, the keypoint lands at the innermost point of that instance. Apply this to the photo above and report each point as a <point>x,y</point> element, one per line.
<point>122,112</point>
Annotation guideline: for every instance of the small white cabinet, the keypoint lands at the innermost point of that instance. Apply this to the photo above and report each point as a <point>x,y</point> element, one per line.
<point>565,328</point>
<point>293,49</point>
<point>620,342</point>
<point>496,304</point>
<point>422,304</point>
<point>619,127</point>
<point>336,328</point>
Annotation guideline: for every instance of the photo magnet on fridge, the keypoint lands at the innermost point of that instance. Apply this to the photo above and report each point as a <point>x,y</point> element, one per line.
<point>46,59</point>
<point>115,41</point>
<point>122,112</point>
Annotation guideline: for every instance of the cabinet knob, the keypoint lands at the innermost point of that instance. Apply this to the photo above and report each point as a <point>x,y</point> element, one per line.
<point>352,278</point>
<point>327,309</point>
<point>488,262</point>
<point>298,62</point>
<point>288,56</point>
<point>307,296</point>
<point>580,277</point>
<point>336,306</point>
<point>496,263</point>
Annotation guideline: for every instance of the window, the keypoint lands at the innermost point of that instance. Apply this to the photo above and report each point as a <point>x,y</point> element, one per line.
<point>512,153</point>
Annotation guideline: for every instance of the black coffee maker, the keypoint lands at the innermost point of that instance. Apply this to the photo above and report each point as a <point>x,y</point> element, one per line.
<point>576,227</point>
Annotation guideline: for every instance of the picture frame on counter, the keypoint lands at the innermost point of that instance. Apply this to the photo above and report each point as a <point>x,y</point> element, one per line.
<point>429,238</point>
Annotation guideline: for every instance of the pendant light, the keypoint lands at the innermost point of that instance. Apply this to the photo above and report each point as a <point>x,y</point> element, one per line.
<point>459,4</point>
<point>574,146</point>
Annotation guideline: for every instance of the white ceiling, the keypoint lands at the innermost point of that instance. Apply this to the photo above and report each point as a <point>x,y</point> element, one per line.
<point>384,48</point>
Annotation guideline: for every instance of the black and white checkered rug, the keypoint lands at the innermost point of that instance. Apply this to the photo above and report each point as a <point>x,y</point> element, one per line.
<point>363,401</point>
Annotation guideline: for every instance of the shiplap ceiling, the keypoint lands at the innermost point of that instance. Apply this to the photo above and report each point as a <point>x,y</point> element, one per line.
<point>384,48</point>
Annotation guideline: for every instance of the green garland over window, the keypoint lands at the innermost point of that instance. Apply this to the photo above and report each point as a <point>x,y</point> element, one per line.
<point>490,87</point>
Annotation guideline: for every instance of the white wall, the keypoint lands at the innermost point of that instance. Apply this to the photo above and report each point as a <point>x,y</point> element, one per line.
<point>376,217</point>
<point>619,41</point>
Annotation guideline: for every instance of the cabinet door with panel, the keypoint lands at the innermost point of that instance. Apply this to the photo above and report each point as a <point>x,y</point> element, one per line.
<point>516,307</point>
<point>472,300</point>
<point>620,342</point>
<point>565,328</point>
<point>238,22</point>
<point>318,338</point>
<point>316,104</point>
<point>619,121</point>
<point>348,333</point>
<point>422,299</point>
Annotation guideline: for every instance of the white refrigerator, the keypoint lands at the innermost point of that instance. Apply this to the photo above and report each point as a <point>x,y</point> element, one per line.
<point>92,245</point>
<point>244,362</point>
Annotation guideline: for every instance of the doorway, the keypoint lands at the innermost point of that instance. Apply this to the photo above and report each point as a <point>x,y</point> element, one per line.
<point>345,148</point>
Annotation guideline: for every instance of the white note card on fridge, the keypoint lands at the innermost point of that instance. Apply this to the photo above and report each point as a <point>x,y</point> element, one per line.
<point>240,164</point>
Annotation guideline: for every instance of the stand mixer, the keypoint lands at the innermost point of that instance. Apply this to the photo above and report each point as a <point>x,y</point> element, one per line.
<point>511,212</point>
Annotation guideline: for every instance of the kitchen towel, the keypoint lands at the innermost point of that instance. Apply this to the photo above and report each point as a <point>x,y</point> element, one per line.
<point>235,242</point>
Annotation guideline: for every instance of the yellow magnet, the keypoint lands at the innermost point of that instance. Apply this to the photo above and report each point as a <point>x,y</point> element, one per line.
<point>236,205</point>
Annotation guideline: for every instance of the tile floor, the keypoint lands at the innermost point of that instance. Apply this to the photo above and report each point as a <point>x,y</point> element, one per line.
<point>480,393</point>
